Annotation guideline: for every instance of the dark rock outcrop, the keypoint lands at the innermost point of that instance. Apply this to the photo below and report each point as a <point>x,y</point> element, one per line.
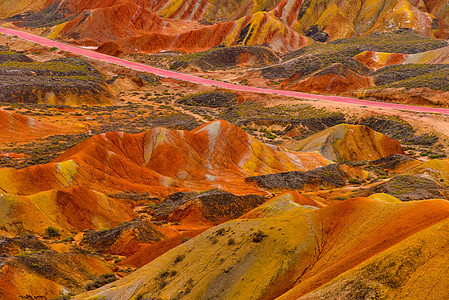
<point>214,205</point>
<point>141,231</point>
<point>399,130</point>
<point>237,55</point>
<point>11,246</point>
<point>408,188</point>
<point>6,55</point>
<point>61,81</point>
<point>391,162</point>
<point>299,120</point>
<point>327,176</point>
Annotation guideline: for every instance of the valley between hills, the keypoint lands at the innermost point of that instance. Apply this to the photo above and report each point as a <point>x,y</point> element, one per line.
<point>168,149</point>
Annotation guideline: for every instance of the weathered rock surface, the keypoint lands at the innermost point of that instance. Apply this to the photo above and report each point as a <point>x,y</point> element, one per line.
<point>247,56</point>
<point>16,127</point>
<point>336,78</point>
<point>296,250</point>
<point>391,162</point>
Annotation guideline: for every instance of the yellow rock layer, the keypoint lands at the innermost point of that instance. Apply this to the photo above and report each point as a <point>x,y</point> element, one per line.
<point>348,142</point>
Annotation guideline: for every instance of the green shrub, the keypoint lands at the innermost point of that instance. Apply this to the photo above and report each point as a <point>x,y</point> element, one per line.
<point>270,135</point>
<point>258,236</point>
<point>354,181</point>
<point>101,280</point>
<point>52,232</point>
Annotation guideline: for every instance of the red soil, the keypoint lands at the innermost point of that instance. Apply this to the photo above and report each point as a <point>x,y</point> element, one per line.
<point>18,128</point>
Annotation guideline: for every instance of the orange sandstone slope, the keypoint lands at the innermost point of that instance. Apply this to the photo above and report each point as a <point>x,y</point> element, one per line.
<point>293,250</point>
<point>134,28</point>
<point>346,142</point>
<point>160,161</point>
<point>148,253</point>
<point>189,26</point>
<point>335,78</point>
<point>108,23</point>
<point>37,272</point>
<point>439,8</point>
<point>18,128</point>
<point>256,29</point>
<point>435,169</point>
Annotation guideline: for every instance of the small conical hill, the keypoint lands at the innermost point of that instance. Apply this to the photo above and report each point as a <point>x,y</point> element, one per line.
<point>16,127</point>
<point>348,143</point>
<point>70,209</point>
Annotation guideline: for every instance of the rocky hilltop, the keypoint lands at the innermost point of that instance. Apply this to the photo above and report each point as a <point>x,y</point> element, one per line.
<point>60,81</point>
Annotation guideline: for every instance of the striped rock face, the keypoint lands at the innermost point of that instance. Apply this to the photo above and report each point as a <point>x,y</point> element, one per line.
<point>348,143</point>
<point>139,29</point>
<point>345,18</point>
<point>377,60</point>
<point>197,25</point>
<point>437,8</point>
<point>160,161</point>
